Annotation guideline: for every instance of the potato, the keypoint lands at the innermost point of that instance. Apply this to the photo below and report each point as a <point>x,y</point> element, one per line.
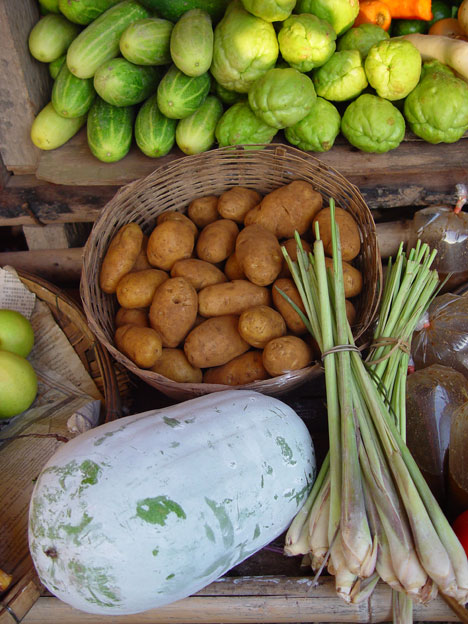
<point>203,210</point>
<point>293,321</point>
<point>231,298</point>
<point>291,247</point>
<point>241,370</point>
<point>351,313</point>
<point>170,241</point>
<point>232,270</point>
<point>198,272</point>
<point>259,254</point>
<point>217,240</point>
<point>175,215</point>
<point>142,259</point>
<point>350,237</point>
<point>137,288</point>
<point>173,310</point>
<point>287,209</point>
<point>141,344</point>
<point>352,277</point>
<point>133,316</point>
<point>236,202</point>
<point>260,324</point>
<point>120,256</point>
<point>287,353</point>
<point>174,365</point>
<point>215,342</point>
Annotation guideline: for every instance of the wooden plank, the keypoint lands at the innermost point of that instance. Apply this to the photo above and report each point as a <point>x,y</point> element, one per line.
<point>57,265</point>
<point>56,235</point>
<point>253,599</point>
<point>26,85</point>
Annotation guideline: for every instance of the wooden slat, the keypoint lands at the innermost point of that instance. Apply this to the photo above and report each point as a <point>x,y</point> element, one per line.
<point>26,85</point>
<point>253,599</point>
<point>55,265</point>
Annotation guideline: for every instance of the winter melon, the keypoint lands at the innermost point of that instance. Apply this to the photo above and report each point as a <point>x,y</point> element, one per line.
<point>150,508</point>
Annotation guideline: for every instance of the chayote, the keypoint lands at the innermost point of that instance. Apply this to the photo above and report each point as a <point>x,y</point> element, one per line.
<point>361,38</point>
<point>244,47</point>
<point>270,10</point>
<point>281,97</point>
<point>339,13</point>
<point>393,68</point>
<point>373,124</point>
<point>437,108</point>
<point>239,125</point>
<point>318,130</point>
<point>306,41</point>
<point>341,78</point>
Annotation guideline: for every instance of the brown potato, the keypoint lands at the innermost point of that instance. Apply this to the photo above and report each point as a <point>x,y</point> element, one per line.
<point>215,342</point>
<point>350,237</point>
<point>142,262</point>
<point>174,365</point>
<point>232,270</point>
<point>287,209</point>
<point>287,353</point>
<point>293,321</point>
<point>352,278</point>
<point>260,324</point>
<point>236,202</point>
<point>173,310</point>
<point>170,241</point>
<point>198,272</point>
<point>203,210</point>
<point>241,370</point>
<point>175,215</point>
<point>120,256</point>
<point>134,316</point>
<point>350,312</point>
<point>231,298</point>
<point>291,247</point>
<point>259,254</point>
<point>141,344</point>
<point>217,241</point>
<point>137,288</point>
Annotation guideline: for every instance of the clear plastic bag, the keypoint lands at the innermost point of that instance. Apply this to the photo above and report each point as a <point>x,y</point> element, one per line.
<point>432,396</point>
<point>458,459</point>
<point>443,338</point>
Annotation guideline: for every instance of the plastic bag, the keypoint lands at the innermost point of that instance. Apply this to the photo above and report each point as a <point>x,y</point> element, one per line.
<point>443,339</point>
<point>458,459</point>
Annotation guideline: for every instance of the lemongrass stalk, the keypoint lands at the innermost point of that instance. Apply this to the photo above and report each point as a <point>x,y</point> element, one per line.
<point>363,588</point>
<point>344,578</point>
<point>402,608</point>
<point>300,545</point>
<point>318,529</point>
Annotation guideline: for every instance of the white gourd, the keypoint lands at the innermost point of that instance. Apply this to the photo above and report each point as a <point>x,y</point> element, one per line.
<point>148,509</point>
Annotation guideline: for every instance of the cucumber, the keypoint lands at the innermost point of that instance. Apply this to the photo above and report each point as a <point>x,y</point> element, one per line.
<point>50,37</point>
<point>49,130</point>
<point>192,42</point>
<point>72,96</point>
<point>180,95</point>
<point>196,133</point>
<point>147,42</point>
<point>109,130</point>
<point>56,66</point>
<point>154,132</point>
<point>99,41</point>
<point>122,83</point>
<point>174,9</point>
<point>85,11</point>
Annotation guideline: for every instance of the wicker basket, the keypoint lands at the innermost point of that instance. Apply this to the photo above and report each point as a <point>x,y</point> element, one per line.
<point>173,187</point>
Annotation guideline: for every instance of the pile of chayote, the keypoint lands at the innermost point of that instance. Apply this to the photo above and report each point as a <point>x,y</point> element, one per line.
<point>301,67</point>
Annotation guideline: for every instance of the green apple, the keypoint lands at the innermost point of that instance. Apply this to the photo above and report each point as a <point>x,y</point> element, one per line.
<point>16,333</point>
<point>18,384</point>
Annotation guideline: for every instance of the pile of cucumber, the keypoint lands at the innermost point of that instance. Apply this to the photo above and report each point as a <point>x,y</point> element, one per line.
<point>128,73</point>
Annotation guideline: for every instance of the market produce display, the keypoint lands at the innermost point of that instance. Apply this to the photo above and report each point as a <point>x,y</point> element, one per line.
<point>196,75</point>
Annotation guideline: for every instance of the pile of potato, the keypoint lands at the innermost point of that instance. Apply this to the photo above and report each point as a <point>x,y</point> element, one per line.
<point>200,296</point>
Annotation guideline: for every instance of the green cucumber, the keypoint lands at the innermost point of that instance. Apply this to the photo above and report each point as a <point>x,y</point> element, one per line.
<point>174,9</point>
<point>99,41</point>
<point>122,83</point>
<point>51,36</point>
<point>147,41</point>
<point>72,96</point>
<point>196,133</point>
<point>180,95</point>
<point>109,130</point>
<point>154,132</point>
<point>85,11</point>
<point>56,66</point>
<point>49,130</point>
<point>192,42</point>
